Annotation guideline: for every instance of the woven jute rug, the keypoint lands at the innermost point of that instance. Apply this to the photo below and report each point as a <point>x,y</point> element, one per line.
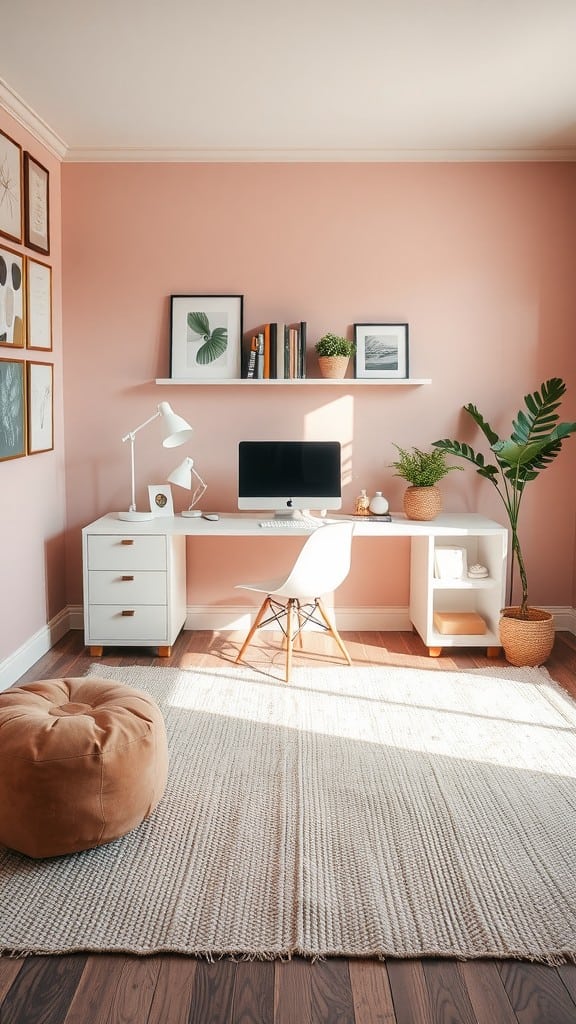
<point>357,812</point>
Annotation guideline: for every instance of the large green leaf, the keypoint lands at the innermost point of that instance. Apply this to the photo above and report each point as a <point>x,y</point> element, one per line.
<point>214,346</point>
<point>198,322</point>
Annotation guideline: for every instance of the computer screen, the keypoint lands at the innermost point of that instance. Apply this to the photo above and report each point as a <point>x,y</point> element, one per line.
<point>286,477</point>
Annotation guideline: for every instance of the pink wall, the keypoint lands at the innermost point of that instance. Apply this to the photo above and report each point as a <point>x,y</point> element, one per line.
<point>478,258</point>
<point>32,489</point>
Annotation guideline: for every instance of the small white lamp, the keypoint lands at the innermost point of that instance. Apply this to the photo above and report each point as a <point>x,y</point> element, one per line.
<point>175,431</point>
<point>186,476</point>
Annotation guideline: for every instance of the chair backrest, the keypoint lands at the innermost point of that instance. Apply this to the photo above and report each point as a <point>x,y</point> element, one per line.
<point>323,563</point>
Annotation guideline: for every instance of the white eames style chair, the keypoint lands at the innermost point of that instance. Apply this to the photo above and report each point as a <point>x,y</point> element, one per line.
<point>296,599</point>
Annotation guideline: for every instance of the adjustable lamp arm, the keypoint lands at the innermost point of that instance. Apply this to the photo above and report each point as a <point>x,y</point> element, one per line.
<point>130,437</point>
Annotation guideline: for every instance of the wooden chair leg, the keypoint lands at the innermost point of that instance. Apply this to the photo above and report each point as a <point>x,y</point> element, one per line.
<point>299,636</point>
<point>260,615</point>
<point>332,629</point>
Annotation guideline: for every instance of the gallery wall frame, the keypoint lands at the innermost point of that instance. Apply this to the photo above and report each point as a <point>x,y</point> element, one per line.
<point>38,305</point>
<point>10,188</point>
<point>36,205</point>
<point>205,336</point>
<point>40,406</point>
<point>12,409</point>
<point>381,350</point>
<point>12,299</point>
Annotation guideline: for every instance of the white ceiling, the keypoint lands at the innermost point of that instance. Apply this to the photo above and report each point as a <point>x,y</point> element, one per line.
<point>296,80</point>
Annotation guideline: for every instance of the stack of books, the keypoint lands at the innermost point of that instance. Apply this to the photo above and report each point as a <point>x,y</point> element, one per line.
<point>275,351</point>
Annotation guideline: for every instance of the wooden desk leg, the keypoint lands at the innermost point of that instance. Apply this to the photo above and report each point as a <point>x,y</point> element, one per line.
<point>434,652</point>
<point>493,652</point>
<point>96,652</point>
<point>164,652</point>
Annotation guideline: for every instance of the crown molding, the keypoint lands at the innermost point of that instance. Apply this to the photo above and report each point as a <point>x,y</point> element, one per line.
<point>21,112</point>
<point>24,115</point>
<point>153,155</point>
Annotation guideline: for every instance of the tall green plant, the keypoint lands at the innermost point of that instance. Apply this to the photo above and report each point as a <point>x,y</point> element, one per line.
<point>535,441</point>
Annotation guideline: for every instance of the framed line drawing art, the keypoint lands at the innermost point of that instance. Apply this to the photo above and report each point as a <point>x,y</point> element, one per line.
<point>38,305</point>
<point>381,350</point>
<point>205,337</point>
<point>12,409</point>
<point>36,205</point>
<point>12,302</point>
<point>40,384</point>
<point>10,188</point>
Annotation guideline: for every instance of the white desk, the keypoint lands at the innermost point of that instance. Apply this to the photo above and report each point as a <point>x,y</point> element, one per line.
<point>135,574</point>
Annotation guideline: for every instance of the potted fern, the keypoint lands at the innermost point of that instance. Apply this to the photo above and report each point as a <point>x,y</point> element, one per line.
<point>334,354</point>
<point>536,438</point>
<point>422,471</point>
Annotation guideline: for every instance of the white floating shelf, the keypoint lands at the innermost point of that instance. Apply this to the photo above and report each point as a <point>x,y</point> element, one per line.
<point>303,382</point>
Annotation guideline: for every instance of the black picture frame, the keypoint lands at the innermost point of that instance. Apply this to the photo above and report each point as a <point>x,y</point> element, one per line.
<point>381,350</point>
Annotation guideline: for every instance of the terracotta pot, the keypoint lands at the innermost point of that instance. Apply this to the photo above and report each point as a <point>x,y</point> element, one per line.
<point>526,641</point>
<point>333,366</point>
<point>422,502</point>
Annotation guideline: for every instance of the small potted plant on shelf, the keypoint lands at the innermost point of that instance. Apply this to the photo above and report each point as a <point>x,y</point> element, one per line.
<point>334,355</point>
<point>422,471</point>
<point>526,633</point>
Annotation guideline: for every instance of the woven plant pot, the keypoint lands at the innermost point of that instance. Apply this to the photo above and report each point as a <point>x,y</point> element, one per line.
<point>526,641</point>
<point>333,366</point>
<point>422,502</point>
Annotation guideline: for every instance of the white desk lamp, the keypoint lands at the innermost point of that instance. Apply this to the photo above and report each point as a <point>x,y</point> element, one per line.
<point>175,432</point>
<point>186,476</point>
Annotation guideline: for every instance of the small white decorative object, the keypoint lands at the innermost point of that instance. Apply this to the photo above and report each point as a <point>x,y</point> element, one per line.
<point>379,504</point>
<point>477,571</point>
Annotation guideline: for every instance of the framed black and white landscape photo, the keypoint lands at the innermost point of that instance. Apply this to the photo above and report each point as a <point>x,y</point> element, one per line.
<point>381,350</point>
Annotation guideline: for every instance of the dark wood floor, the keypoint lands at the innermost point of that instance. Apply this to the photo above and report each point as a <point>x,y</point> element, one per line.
<point>115,989</point>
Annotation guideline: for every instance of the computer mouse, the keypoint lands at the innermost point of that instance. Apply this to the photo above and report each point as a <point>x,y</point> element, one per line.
<point>210,515</point>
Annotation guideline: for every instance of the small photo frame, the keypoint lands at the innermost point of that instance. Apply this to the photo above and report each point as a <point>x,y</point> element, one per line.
<point>36,205</point>
<point>12,302</point>
<point>10,188</point>
<point>38,305</point>
<point>40,407</point>
<point>205,337</point>
<point>381,350</point>
<point>12,409</point>
<point>161,503</point>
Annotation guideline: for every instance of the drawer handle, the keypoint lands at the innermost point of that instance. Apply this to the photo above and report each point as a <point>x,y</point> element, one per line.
<point>128,611</point>
<point>127,540</point>
<point>126,579</point>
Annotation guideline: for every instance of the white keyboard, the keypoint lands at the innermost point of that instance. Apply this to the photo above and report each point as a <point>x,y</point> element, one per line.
<point>290,524</point>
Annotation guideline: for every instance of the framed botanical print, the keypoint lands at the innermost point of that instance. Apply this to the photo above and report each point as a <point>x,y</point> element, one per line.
<point>38,305</point>
<point>12,409</point>
<point>205,337</point>
<point>36,205</point>
<point>12,302</point>
<point>10,188</point>
<point>40,407</point>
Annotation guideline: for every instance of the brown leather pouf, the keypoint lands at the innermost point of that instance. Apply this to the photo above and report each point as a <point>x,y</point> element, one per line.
<point>82,762</point>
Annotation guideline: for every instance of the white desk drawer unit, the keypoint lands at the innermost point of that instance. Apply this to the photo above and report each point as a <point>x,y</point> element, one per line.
<point>134,589</point>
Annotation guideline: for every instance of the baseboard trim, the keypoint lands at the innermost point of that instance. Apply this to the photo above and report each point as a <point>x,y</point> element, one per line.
<point>223,618</point>
<point>16,664</point>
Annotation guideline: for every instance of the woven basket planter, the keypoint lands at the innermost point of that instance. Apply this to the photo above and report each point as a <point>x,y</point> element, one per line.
<point>422,502</point>
<point>333,366</point>
<point>526,641</point>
